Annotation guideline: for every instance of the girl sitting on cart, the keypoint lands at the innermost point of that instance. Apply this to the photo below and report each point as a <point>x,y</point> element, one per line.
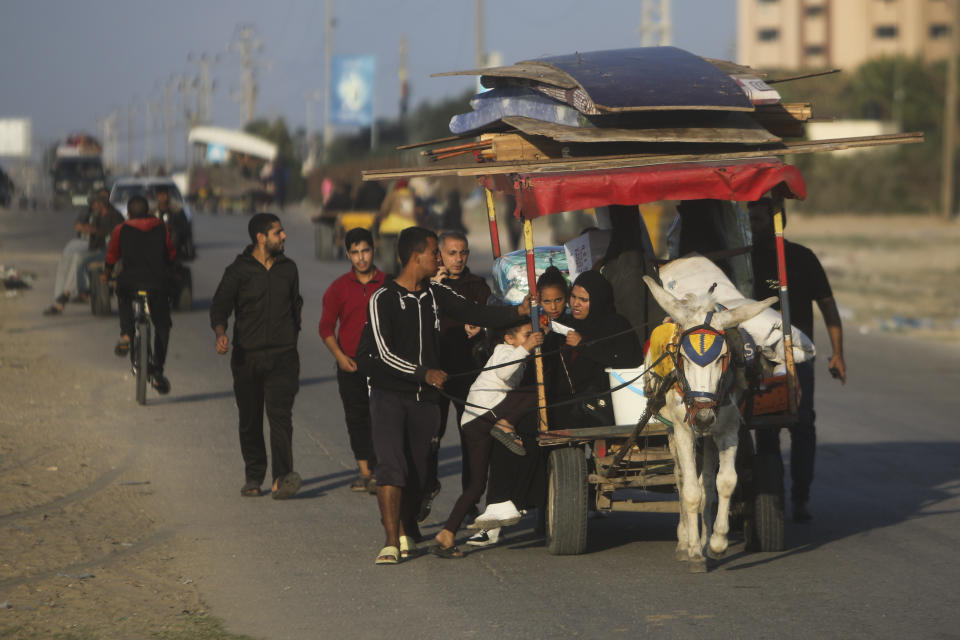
<point>495,388</point>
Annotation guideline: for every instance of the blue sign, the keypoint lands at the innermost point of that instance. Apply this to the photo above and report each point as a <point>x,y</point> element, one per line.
<point>216,153</point>
<point>351,99</point>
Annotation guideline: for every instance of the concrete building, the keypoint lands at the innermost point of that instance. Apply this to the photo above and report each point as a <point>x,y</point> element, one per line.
<point>802,34</point>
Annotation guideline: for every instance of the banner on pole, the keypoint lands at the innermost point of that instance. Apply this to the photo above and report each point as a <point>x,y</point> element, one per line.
<point>351,99</point>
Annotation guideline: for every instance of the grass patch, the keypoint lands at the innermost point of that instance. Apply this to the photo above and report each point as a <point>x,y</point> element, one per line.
<point>198,628</point>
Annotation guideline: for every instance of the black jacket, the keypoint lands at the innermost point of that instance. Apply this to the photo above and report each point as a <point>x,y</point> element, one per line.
<point>147,253</point>
<point>266,303</point>
<point>402,337</point>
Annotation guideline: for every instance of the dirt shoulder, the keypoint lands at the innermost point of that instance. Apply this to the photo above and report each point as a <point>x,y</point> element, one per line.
<point>82,554</point>
<point>889,273</point>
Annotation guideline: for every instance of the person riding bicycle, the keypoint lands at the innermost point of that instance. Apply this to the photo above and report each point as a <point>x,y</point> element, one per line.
<point>144,244</point>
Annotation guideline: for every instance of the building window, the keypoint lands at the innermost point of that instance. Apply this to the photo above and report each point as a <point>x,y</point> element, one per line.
<point>939,30</point>
<point>768,35</point>
<point>885,32</point>
<point>814,50</point>
<point>767,1</point>
<point>814,11</point>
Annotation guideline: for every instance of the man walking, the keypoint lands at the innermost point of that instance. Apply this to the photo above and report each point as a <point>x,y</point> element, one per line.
<point>402,345</point>
<point>345,303</point>
<point>262,289</point>
<point>807,284</point>
<point>456,350</point>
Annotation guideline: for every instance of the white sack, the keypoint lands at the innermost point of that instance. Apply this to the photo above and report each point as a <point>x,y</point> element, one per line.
<point>695,274</point>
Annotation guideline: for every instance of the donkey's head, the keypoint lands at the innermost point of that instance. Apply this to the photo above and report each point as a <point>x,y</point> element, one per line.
<point>702,356</point>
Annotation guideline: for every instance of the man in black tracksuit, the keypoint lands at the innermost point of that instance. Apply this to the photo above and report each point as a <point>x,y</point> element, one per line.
<point>402,351</point>
<point>262,289</point>
<point>144,244</point>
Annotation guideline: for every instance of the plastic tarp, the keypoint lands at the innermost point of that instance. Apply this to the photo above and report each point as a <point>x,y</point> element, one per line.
<point>542,194</point>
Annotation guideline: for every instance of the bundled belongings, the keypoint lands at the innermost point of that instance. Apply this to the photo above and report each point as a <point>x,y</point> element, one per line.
<point>625,108</point>
<point>693,274</point>
<point>510,283</point>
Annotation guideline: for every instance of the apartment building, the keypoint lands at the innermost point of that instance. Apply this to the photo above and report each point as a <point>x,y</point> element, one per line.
<point>802,34</point>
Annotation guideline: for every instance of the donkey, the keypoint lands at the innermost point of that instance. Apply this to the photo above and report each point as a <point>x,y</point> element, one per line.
<point>700,404</point>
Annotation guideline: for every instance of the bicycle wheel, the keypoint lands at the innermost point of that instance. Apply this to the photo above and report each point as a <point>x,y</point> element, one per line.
<point>143,360</point>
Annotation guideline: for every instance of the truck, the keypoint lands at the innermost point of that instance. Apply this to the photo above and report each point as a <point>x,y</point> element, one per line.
<point>225,170</point>
<point>76,169</point>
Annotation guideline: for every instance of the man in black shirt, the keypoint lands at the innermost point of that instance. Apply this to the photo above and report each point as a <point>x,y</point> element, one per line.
<point>262,289</point>
<point>807,283</point>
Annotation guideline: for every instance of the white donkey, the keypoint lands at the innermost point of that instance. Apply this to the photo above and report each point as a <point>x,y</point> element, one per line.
<point>699,404</point>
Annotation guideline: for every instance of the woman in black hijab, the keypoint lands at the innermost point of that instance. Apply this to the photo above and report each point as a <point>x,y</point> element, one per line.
<point>592,349</point>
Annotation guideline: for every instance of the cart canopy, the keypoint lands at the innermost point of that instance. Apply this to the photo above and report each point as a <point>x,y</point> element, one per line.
<point>540,194</point>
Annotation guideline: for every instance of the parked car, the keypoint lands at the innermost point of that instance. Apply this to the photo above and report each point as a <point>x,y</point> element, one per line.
<point>124,188</point>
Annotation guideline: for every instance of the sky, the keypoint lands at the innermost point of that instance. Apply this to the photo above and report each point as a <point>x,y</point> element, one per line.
<point>67,64</point>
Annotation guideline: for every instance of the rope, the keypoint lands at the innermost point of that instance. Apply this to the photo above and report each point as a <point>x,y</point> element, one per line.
<point>543,354</point>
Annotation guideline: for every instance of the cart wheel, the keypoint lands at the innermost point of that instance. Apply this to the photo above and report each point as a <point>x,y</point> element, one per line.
<point>567,502</point>
<point>765,532</point>
<point>99,293</point>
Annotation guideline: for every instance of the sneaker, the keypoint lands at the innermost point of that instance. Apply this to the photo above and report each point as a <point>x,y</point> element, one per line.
<point>500,514</point>
<point>484,538</point>
<point>427,504</point>
<point>161,384</point>
<point>53,310</point>
<point>801,513</point>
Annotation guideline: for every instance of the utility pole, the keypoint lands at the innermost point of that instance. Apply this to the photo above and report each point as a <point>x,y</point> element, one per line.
<point>148,153</point>
<point>403,77</point>
<point>950,116</point>
<point>185,86</point>
<point>206,87</point>
<point>656,29</point>
<point>130,111</point>
<point>246,42</point>
<point>168,124</point>
<point>481,56</point>
<point>328,81</point>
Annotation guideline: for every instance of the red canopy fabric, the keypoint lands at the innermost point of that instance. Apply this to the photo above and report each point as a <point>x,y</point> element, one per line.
<point>543,194</point>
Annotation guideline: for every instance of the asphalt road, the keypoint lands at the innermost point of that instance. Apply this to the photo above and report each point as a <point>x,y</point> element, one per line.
<point>879,559</point>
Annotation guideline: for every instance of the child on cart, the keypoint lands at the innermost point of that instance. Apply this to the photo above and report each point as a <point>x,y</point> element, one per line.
<point>496,388</point>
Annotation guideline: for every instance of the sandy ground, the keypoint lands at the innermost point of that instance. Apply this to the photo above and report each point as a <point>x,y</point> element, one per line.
<point>889,273</point>
<point>82,555</point>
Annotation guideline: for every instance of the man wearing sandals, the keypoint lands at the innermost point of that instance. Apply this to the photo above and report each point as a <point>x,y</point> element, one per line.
<point>401,349</point>
<point>262,289</point>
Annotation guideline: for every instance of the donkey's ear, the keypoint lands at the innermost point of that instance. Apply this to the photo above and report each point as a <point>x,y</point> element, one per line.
<point>733,317</point>
<point>667,301</point>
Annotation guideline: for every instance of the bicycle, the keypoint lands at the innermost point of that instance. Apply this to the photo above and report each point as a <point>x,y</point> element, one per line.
<point>142,347</point>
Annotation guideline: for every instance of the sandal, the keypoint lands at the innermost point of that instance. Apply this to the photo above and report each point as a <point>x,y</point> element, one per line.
<point>360,483</point>
<point>509,439</point>
<point>447,553</point>
<point>287,486</point>
<point>408,547</point>
<point>251,490</point>
<point>388,555</point>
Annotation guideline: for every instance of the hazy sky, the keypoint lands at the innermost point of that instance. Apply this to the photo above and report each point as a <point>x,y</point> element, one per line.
<point>67,64</point>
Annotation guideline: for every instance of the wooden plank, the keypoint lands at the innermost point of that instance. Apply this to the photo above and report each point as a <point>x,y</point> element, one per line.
<point>527,70</point>
<point>651,506</point>
<point>742,131</point>
<point>514,147</point>
<point>638,160</point>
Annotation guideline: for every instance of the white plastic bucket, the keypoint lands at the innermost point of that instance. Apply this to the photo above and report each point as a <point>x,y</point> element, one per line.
<point>628,402</point>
